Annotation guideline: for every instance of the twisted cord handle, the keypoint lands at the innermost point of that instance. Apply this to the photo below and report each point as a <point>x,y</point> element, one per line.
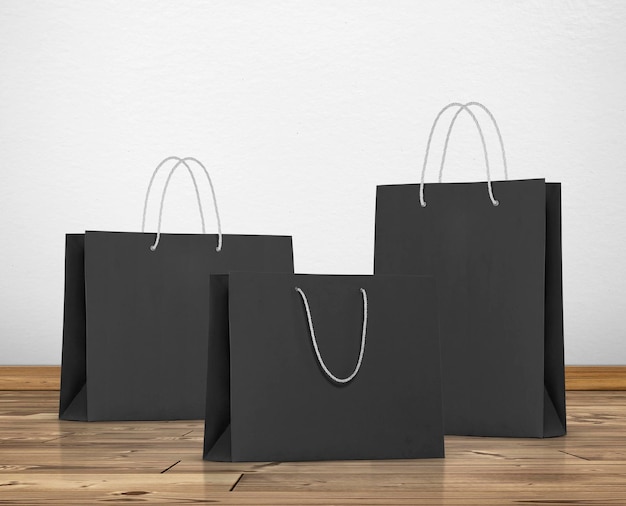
<point>316,348</point>
<point>182,161</point>
<point>461,108</point>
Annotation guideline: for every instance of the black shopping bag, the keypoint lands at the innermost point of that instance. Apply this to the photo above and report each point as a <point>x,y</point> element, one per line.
<point>495,251</point>
<point>136,318</point>
<point>312,367</point>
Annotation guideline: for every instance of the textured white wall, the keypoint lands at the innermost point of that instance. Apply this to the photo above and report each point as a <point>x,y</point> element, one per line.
<point>300,109</point>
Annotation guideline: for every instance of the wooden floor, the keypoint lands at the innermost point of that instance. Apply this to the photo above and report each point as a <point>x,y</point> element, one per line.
<point>47,461</point>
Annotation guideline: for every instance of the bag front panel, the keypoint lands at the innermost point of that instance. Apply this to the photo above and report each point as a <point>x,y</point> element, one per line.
<point>489,265</point>
<point>283,405</point>
<point>148,313</point>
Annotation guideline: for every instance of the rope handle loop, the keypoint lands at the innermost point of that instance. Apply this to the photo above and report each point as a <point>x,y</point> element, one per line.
<point>466,108</point>
<point>316,348</point>
<point>179,162</point>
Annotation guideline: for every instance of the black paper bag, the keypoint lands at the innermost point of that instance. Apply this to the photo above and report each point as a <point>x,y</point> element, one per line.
<point>499,278</point>
<point>367,387</point>
<point>136,319</point>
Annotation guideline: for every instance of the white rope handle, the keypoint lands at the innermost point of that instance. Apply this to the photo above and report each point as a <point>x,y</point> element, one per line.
<point>182,161</point>
<point>497,128</point>
<point>461,108</point>
<point>195,186</point>
<point>316,348</point>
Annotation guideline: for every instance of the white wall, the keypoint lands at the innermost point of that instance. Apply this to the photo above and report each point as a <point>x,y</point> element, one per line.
<point>300,108</point>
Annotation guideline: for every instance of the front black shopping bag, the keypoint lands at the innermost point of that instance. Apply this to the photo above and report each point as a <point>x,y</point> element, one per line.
<point>136,319</point>
<point>317,367</point>
<point>495,251</point>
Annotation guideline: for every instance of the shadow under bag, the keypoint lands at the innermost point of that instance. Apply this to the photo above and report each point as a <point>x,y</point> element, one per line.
<point>310,367</point>
<point>495,251</point>
<point>136,318</point>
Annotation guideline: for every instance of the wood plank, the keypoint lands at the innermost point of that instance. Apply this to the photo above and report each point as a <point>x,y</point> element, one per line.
<point>87,496</point>
<point>595,378</point>
<point>354,498</point>
<point>577,378</point>
<point>30,378</point>
<point>114,486</point>
<point>493,479</point>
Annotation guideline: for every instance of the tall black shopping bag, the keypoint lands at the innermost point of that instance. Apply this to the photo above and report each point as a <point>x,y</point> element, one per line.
<point>136,316</point>
<point>312,367</point>
<point>495,250</point>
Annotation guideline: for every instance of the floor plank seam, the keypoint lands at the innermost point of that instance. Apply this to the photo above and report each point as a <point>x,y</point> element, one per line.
<point>168,468</point>
<point>577,456</point>
<point>56,438</point>
<point>237,482</point>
